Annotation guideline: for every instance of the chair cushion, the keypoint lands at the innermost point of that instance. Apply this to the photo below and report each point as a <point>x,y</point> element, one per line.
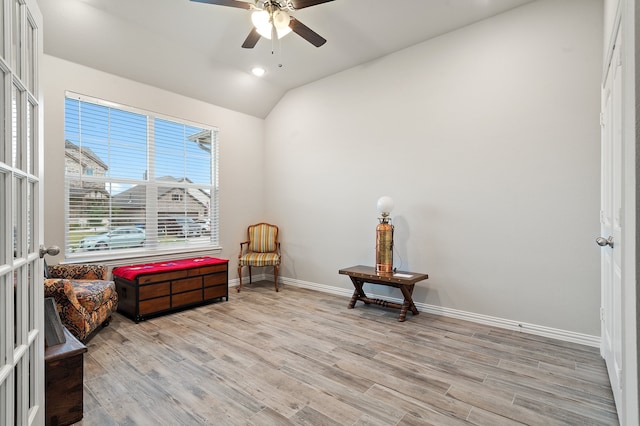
<point>92,294</point>
<point>262,238</point>
<point>259,259</point>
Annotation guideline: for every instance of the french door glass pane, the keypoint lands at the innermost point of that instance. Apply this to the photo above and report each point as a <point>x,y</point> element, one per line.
<point>16,304</point>
<point>33,373</point>
<point>2,37</point>
<point>3,77</point>
<point>30,216</point>
<point>16,118</point>
<point>30,55</point>
<point>21,369</point>
<point>4,283</point>
<point>4,409</point>
<point>4,217</point>
<point>16,59</point>
<point>18,222</point>
<point>32,287</point>
<point>31,140</point>
<point>14,124</point>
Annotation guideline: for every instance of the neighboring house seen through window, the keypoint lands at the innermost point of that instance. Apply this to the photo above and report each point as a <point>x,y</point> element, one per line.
<point>137,181</point>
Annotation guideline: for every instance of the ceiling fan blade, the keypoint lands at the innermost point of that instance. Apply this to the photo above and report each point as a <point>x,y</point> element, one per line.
<point>306,33</point>
<point>301,4</point>
<point>230,3</point>
<point>251,40</point>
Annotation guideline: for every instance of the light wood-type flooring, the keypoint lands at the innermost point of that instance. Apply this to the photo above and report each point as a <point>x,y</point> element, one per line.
<point>300,357</point>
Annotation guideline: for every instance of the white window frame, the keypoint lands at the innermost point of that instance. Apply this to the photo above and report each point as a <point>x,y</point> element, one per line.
<point>152,247</point>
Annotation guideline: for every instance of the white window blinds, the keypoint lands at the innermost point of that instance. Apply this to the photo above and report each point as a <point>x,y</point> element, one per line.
<point>136,181</point>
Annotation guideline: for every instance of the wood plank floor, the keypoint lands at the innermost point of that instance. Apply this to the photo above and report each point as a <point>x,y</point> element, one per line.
<point>300,357</point>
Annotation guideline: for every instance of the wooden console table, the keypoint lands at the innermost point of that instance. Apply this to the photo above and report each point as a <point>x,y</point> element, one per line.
<point>405,281</point>
<point>63,375</point>
<point>153,289</point>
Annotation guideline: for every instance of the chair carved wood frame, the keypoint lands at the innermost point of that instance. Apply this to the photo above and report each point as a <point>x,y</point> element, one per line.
<point>261,249</point>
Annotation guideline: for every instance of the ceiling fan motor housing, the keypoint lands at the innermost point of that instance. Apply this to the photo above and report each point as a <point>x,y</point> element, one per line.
<point>271,4</point>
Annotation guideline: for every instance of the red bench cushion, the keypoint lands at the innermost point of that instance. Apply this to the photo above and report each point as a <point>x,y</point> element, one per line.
<point>131,272</point>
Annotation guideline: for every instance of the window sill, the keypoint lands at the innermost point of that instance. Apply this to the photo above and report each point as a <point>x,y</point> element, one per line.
<point>118,259</point>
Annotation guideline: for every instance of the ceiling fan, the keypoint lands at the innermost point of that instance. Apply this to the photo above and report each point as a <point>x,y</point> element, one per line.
<point>272,19</point>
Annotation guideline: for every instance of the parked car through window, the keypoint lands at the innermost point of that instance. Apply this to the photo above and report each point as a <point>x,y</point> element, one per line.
<point>123,237</point>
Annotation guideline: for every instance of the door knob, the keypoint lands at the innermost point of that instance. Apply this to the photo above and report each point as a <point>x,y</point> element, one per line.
<point>52,251</point>
<point>602,242</point>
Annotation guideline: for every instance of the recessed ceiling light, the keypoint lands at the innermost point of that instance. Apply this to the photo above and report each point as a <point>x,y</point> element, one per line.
<point>258,71</point>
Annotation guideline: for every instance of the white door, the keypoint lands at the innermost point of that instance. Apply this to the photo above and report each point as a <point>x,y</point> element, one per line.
<point>610,223</point>
<point>21,292</point>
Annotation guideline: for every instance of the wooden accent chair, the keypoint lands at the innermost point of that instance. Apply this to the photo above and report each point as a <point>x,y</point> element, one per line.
<point>261,249</point>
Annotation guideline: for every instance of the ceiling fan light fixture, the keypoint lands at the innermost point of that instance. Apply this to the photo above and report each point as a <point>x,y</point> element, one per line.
<point>260,18</point>
<point>272,19</point>
<point>281,19</point>
<point>265,31</point>
<point>283,32</point>
<point>262,21</point>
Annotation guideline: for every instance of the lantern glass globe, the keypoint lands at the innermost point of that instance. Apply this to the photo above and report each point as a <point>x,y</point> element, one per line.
<point>385,205</point>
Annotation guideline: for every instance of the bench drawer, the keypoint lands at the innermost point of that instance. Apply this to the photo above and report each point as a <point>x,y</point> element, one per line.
<point>154,305</point>
<point>156,290</point>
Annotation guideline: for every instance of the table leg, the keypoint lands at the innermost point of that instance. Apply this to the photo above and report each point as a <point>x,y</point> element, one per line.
<point>358,293</point>
<point>407,292</point>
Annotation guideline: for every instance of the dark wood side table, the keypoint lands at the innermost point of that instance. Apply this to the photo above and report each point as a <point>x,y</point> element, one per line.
<point>405,281</point>
<point>63,374</point>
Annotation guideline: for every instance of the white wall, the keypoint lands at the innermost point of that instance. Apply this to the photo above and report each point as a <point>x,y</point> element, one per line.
<point>241,146</point>
<point>487,139</point>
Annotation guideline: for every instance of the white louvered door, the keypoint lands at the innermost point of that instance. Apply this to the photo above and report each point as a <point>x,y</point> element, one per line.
<point>611,223</point>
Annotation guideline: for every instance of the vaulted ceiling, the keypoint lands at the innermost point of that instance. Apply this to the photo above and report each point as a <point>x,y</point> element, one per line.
<point>194,49</point>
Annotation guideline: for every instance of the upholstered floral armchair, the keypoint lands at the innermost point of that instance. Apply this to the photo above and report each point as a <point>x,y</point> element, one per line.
<point>83,295</point>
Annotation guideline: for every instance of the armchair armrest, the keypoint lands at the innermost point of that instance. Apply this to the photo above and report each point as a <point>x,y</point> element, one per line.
<point>62,291</point>
<point>73,315</point>
<point>242,244</point>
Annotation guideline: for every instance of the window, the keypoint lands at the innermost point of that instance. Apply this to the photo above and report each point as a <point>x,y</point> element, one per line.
<point>136,181</point>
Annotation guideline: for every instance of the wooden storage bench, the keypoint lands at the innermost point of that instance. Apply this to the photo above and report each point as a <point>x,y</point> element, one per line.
<point>153,289</point>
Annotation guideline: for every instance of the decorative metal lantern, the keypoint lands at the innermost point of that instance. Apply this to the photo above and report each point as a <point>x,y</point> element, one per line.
<point>384,237</point>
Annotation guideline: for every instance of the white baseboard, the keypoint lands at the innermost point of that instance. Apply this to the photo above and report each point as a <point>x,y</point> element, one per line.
<point>539,330</point>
